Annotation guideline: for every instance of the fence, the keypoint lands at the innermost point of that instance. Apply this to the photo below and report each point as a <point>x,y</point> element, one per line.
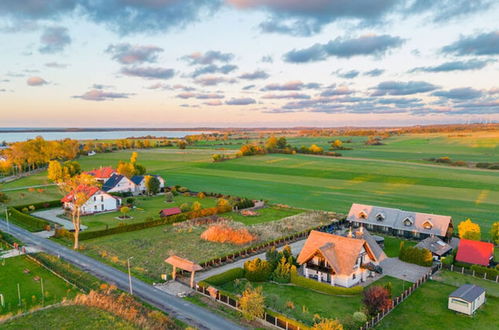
<point>398,300</point>
<point>270,318</point>
<point>471,272</point>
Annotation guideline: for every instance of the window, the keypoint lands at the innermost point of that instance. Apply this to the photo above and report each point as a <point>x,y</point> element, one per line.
<point>427,225</point>
<point>95,207</point>
<point>407,222</point>
<point>459,302</point>
<point>363,215</point>
<point>353,277</point>
<point>101,198</point>
<point>416,234</point>
<point>380,217</point>
<point>102,207</point>
<point>95,198</point>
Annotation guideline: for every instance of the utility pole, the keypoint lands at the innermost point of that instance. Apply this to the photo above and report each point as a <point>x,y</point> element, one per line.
<point>129,275</point>
<point>7,217</point>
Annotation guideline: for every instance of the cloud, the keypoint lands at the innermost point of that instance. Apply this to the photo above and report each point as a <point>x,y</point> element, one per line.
<point>100,95</point>
<point>335,91</point>
<point>126,53</point>
<point>54,39</point>
<point>367,45</point>
<point>36,81</point>
<point>200,96</point>
<point>240,101</point>
<point>160,85</point>
<point>267,59</point>
<point>248,87</point>
<point>465,93</point>
<point>348,74</point>
<point>56,65</point>
<point>374,72</point>
<point>290,86</point>
<point>293,95</point>
<point>403,88</point>
<point>213,103</point>
<point>297,17</point>
<point>35,9</point>
<point>454,66</point>
<point>148,72</point>
<point>480,44</point>
<point>445,10</point>
<point>213,80</point>
<point>258,74</point>
<point>212,68</point>
<point>101,86</point>
<point>207,58</point>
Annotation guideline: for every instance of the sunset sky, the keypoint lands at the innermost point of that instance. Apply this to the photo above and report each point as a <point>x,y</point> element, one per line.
<point>247,63</point>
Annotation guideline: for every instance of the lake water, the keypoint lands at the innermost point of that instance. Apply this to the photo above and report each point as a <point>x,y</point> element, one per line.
<point>101,135</point>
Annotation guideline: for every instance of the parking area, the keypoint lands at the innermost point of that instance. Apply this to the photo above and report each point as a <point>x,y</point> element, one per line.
<point>403,270</point>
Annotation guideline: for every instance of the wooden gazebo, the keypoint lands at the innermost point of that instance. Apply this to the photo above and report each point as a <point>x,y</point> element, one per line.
<point>183,264</point>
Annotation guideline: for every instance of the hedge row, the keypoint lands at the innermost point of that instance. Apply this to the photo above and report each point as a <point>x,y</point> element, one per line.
<point>148,224</point>
<point>27,221</point>
<point>72,274</point>
<point>323,287</point>
<point>40,205</point>
<point>225,277</point>
<point>9,239</point>
<point>481,270</point>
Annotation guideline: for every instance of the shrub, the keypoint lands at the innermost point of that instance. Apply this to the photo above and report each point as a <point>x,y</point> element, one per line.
<point>322,287</point>
<point>244,203</point>
<point>415,255</point>
<point>201,195</point>
<point>223,205</point>
<point>327,324</point>
<point>223,233</point>
<point>185,207</point>
<point>225,277</point>
<point>359,317</point>
<point>169,197</point>
<point>130,201</point>
<point>376,299</point>
<point>182,189</point>
<point>282,273</point>
<point>252,303</point>
<point>257,270</point>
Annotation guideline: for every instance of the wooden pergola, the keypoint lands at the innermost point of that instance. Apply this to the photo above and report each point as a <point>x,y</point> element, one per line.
<point>183,264</point>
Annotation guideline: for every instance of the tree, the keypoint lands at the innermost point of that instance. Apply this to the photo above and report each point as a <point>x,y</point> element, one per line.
<point>223,205</point>
<point>271,143</point>
<point>3,197</point>
<point>140,169</point>
<point>152,185</point>
<point>257,270</point>
<point>181,144</point>
<point>469,230</point>
<point>327,324</point>
<point>124,210</point>
<point>282,143</point>
<point>72,167</point>
<point>133,158</point>
<point>315,149</point>
<point>126,169</point>
<point>282,272</point>
<point>169,197</point>
<point>54,171</point>
<point>196,206</point>
<point>201,195</point>
<point>376,298</point>
<point>75,188</point>
<point>337,144</point>
<point>252,303</point>
<point>494,233</point>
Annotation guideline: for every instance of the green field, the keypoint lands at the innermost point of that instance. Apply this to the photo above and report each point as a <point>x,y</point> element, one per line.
<point>69,317</point>
<point>264,215</point>
<point>456,279</point>
<point>427,308</point>
<point>306,302</point>
<point>29,275</point>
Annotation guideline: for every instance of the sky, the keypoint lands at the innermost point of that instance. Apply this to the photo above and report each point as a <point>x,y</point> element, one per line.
<point>248,63</point>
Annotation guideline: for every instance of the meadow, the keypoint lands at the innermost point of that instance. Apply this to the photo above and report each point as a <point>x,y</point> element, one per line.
<point>29,275</point>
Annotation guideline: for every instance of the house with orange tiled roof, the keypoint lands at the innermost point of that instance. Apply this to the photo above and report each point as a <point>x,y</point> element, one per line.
<point>338,260</point>
<point>102,174</point>
<point>97,200</point>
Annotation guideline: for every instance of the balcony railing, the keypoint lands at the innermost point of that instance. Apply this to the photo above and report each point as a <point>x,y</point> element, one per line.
<point>320,268</point>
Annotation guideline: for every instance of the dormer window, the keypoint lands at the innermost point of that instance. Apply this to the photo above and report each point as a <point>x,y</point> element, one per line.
<point>363,215</point>
<point>407,222</point>
<point>380,217</point>
<point>427,225</point>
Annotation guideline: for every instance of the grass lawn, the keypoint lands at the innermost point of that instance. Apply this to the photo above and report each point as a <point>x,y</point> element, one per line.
<point>264,215</point>
<point>456,279</point>
<point>392,245</point>
<point>147,207</point>
<point>427,308</point>
<point>27,196</point>
<point>302,304</point>
<point>69,317</point>
<point>12,273</point>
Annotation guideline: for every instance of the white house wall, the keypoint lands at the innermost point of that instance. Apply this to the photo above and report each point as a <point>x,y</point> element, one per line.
<point>100,203</point>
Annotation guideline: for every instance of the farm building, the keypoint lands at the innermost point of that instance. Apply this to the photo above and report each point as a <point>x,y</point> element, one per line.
<point>437,247</point>
<point>96,200</point>
<point>475,252</point>
<point>118,183</point>
<point>401,223</point>
<point>338,260</point>
<point>467,299</point>
<point>170,211</point>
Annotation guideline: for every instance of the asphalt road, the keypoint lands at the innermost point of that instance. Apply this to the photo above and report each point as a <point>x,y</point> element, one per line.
<point>174,306</point>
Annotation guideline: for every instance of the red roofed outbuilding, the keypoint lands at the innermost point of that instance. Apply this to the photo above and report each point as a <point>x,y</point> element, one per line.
<point>170,211</point>
<point>475,252</point>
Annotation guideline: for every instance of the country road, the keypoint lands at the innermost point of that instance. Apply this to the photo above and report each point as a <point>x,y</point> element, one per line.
<point>174,306</point>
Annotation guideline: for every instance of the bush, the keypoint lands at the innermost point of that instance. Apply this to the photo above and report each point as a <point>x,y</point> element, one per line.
<point>185,207</point>
<point>225,277</point>
<point>27,221</point>
<point>223,233</point>
<point>414,255</point>
<point>40,205</point>
<point>257,270</point>
<point>183,189</point>
<point>323,287</point>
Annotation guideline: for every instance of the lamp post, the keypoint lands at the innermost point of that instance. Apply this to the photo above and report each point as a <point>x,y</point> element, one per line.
<point>7,218</point>
<point>129,275</point>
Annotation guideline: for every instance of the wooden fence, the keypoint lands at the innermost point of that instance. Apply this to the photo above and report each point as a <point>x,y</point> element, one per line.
<point>471,272</point>
<point>269,318</point>
<point>398,300</point>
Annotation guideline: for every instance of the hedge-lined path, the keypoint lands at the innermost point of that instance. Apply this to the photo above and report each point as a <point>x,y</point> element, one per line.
<point>200,276</point>
<point>394,267</point>
<point>52,215</point>
<point>174,306</point>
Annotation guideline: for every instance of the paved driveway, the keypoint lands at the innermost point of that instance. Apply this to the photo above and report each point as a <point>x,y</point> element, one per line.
<point>403,270</point>
<point>52,216</point>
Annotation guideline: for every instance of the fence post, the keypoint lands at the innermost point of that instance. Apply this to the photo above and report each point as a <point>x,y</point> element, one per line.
<point>462,270</point>
<point>473,273</point>
<point>497,278</point>
<point>452,267</point>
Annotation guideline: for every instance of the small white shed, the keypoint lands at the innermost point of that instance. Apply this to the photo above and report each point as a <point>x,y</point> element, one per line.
<point>467,299</point>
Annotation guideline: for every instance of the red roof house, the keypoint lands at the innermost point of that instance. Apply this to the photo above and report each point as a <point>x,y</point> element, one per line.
<point>102,172</point>
<point>89,191</point>
<point>475,252</point>
<point>170,211</point>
